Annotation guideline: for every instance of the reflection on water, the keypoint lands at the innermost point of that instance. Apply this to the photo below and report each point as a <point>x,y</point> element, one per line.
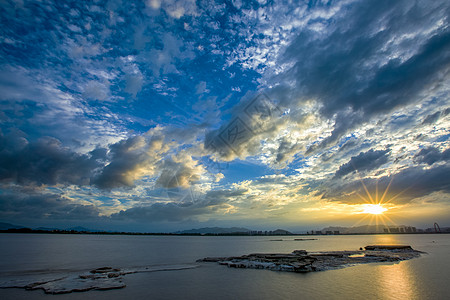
<point>395,281</point>
<point>386,240</point>
<point>422,278</point>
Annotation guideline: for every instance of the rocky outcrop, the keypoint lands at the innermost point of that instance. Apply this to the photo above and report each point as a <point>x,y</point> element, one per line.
<point>104,278</point>
<point>302,261</point>
<point>388,247</point>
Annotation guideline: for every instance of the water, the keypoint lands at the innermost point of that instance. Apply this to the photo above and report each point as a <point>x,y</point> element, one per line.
<point>422,278</point>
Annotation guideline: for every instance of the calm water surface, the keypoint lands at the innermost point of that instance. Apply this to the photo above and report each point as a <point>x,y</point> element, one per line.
<point>426,277</point>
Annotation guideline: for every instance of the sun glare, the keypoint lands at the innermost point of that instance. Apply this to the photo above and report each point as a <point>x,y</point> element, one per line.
<point>374,209</point>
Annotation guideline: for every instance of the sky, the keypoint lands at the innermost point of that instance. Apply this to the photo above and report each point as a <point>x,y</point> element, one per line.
<point>164,115</point>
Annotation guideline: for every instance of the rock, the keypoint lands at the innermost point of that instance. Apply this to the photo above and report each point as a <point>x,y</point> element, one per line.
<point>299,252</point>
<point>301,261</point>
<point>104,270</point>
<point>104,278</point>
<point>388,247</point>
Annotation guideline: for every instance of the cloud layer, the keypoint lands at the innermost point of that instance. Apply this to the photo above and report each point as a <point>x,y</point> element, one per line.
<point>225,111</point>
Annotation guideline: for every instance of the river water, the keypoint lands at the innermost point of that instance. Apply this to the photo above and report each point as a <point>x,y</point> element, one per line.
<point>426,277</point>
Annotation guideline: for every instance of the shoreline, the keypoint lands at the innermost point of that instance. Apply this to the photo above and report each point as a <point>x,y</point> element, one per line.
<point>33,231</point>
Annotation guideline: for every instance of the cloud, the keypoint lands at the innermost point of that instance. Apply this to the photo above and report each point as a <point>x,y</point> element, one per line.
<point>174,8</point>
<point>255,118</point>
<point>365,64</point>
<point>131,159</point>
<point>179,171</point>
<point>404,186</point>
<point>339,80</point>
<point>96,91</point>
<point>134,84</point>
<point>43,206</point>
<point>364,161</point>
<point>432,155</point>
<point>44,162</point>
<point>200,88</point>
<point>430,119</point>
<point>214,202</point>
<point>371,61</point>
<point>153,154</point>
<point>34,103</point>
<point>164,61</point>
<point>16,85</point>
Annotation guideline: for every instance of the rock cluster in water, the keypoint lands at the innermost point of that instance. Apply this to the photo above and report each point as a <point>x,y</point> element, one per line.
<point>303,261</point>
<point>105,278</point>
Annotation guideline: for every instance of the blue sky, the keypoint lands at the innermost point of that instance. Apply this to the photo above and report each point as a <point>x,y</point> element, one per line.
<point>166,115</point>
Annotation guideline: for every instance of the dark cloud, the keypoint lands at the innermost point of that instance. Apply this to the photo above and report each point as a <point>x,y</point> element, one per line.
<point>86,75</point>
<point>430,119</point>
<point>126,157</point>
<point>350,144</point>
<point>133,158</point>
<point>45,161</point>
<point>286,150</point>
<point>178,174</point>
<point>366,62</point>
<point>170,211</point>
<point>166,212</point>
<point>213,202</point>
<point>353,71</point>
<point>405,186</point>
<point>431,155</point>
<point>255,118</point>
<point>231,140</point>
<point>18,205</point>
<point>364,161</point>
<point>148,155</point>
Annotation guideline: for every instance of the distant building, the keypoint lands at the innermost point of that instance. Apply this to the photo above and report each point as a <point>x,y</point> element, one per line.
<point>394,230</point>
<point>266,232</point>
<point>400,229</point>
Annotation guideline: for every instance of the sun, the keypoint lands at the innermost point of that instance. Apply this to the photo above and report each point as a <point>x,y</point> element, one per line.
<point>374,209</point>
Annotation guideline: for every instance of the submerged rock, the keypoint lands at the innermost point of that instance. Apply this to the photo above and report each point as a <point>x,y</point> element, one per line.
<point>302,261</point>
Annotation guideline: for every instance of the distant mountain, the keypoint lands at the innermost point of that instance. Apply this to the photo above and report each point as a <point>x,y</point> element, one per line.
<point>6,226</point>
<point>215,230</point>
<point>281,232</point>
<point>79,228</point>
<point>46,228</point>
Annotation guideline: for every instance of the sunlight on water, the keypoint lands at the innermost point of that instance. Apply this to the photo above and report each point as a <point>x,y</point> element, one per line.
<point>397,282</point>
<point>422,278</point>
<point>386,240</point>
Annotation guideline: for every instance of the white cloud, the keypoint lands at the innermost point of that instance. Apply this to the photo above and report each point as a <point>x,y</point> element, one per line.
<point>97,91</point>
<point>201,87</point>
<point>134,84</point>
